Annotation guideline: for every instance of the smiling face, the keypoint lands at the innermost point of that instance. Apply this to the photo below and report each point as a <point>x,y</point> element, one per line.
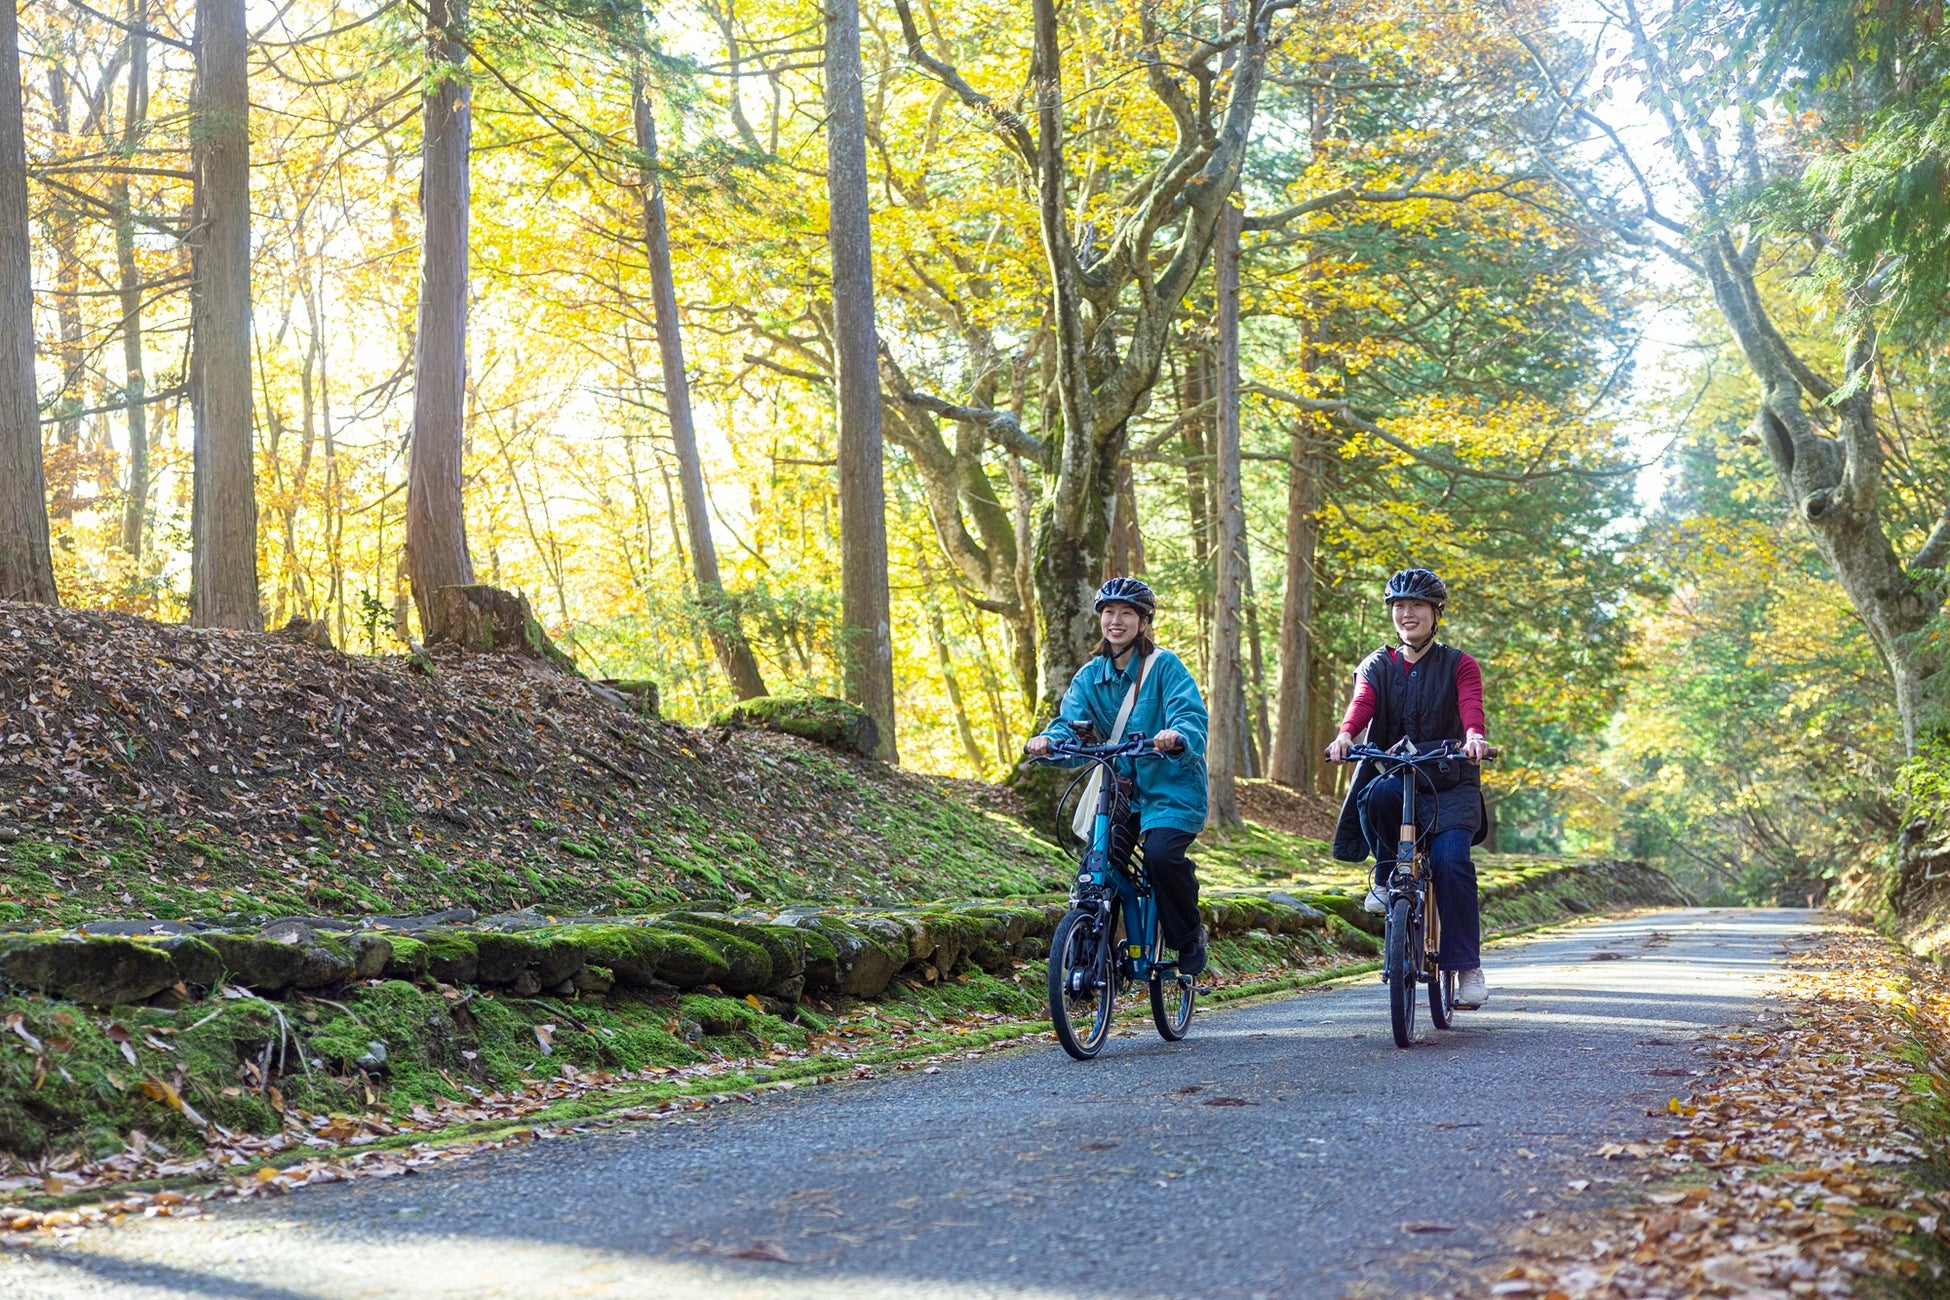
<point>1121,624</point>
<point>1414,619</point>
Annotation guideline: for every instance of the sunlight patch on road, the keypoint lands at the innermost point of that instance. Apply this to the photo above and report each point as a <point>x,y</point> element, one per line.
<point>305,1262</point>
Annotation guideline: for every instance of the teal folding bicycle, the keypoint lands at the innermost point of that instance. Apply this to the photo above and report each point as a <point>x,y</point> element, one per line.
<point>1109,937</point>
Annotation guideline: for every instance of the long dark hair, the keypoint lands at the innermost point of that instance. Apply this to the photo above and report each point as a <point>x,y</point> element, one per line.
<point>1143,644</point>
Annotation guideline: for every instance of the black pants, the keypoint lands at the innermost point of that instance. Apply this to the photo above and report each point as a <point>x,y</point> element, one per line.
<point>1173,876</point>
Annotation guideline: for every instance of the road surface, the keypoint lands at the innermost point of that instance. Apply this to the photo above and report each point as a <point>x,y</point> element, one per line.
<point>1283,1149</point>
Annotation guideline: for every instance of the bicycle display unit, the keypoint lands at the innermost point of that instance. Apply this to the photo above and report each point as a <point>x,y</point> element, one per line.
<point>1414,934</point>
<point>1109,937</point>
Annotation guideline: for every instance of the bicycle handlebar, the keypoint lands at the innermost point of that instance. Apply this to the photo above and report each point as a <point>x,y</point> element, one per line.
<point>1448,749</point>
<point>1132,746</point>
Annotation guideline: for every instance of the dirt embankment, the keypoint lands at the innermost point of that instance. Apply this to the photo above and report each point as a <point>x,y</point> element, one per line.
<point>156,769</point>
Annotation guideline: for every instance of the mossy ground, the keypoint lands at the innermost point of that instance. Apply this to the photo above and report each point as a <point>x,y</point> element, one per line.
<point>823,827</point>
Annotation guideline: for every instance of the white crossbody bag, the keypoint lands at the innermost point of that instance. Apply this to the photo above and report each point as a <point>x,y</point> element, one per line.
<point>1086,811</point>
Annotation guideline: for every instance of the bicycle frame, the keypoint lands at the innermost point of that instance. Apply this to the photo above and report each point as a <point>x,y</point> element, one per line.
<point>1138,958</point>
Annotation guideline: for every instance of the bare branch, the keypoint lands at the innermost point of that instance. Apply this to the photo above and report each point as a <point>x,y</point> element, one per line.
<point>1342,410</point>
<point>1007,123</point>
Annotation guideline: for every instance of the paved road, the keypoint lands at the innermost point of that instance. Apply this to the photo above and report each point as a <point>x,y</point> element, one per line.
<point>1282,1150</point>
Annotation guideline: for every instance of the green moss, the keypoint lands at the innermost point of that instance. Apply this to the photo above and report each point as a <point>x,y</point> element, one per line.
<point>821,719</point>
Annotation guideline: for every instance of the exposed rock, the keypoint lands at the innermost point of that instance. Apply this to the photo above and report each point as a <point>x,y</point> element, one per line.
<point>748,965</point>
<point>132,928</point>
<point>104,972</point>
<point>303,960</point>
<point>371,955</point>
<point>415,924</point>
<point>198,965</point>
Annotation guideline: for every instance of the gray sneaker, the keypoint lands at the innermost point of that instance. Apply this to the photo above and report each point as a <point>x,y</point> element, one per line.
<point>1472,990</point>
<point>1376,901</point>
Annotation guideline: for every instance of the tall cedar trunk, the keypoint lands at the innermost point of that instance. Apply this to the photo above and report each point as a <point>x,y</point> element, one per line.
<point>1126,556</point>
<point>1196,391</point>
<point>1227,701</point>
<point>1292,760</point>
<point>436,521</point>
<point>223,502</point>
<point>1260,734</point>
<point>26,559</point>
<point>135,380</point>
<point>63,222</point>
<point>866,644</point>
<point>727,637</point>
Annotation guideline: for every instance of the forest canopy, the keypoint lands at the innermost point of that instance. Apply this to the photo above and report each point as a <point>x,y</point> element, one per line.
<point>701,324</point>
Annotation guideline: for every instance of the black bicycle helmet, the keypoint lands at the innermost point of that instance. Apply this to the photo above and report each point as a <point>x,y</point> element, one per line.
<point>1416,584</point>
<point>1135,592</point>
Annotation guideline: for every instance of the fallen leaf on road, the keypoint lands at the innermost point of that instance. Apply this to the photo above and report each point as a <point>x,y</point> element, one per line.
<point>769,1251</point>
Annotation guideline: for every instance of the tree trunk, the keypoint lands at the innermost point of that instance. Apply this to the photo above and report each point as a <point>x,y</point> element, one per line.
<point>1833,484</point>
<point>223,502</point>
<point>1261,731</point>
<point>135,383</point>
<point>26,559</point>
<point>436,521</point>
<point>62,223</point>
<point>1227,701</point>
<point>1195,391</point>
<point>866,643</point>
<point>734,652</point>
<point>1126,540</point>
<point>1292,761</point>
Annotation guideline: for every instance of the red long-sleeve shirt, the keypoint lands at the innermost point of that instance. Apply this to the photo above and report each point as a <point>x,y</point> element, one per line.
<point>1469,697</point>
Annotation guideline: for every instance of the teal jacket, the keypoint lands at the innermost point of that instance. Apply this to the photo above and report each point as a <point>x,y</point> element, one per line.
<point>1170,789</point>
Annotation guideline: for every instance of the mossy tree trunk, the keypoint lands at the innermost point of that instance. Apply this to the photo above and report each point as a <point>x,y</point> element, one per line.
<point>866,639</point>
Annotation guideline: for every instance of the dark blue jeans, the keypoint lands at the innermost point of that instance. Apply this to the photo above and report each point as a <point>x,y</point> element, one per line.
<point>1455,878</point>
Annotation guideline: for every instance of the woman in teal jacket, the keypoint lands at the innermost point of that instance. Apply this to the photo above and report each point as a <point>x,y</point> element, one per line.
<point>1168,796</point>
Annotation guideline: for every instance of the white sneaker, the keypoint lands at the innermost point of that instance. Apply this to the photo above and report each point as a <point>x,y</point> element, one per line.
<point>1376,901</point>
<point>1472,990</point>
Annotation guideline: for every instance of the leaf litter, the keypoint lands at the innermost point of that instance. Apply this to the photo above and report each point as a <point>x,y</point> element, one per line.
<point>1789,1171</point>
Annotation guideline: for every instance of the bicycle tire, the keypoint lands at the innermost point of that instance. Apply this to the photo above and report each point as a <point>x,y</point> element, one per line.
<point>1081,990</point>
<point>1401,973</point>
<point>1442,1003</point>
<point>1173,1019</point>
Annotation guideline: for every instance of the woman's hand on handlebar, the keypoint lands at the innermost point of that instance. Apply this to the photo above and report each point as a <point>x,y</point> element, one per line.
<point>1168,741</point>
<point>1475,748</point>
<point>1036,746</point>
<point>1337,748</point>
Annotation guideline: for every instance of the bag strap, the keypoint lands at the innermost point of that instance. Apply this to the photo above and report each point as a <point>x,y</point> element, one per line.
<point>1130,699</point>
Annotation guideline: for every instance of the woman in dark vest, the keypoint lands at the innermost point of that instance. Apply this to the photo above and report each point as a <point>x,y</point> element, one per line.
<point>1428,693</point>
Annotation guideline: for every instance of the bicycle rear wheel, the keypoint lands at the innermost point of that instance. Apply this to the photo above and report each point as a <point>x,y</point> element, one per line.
<point>1442,998</point>
<point>1171,1004</point>
<point>1081,991</point>
<point>1400,960</point>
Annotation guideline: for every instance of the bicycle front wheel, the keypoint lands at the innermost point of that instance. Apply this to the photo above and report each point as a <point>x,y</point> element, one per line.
<point>1081,991</point>
<point>1400,961</point>
<point>1171,1004</point>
